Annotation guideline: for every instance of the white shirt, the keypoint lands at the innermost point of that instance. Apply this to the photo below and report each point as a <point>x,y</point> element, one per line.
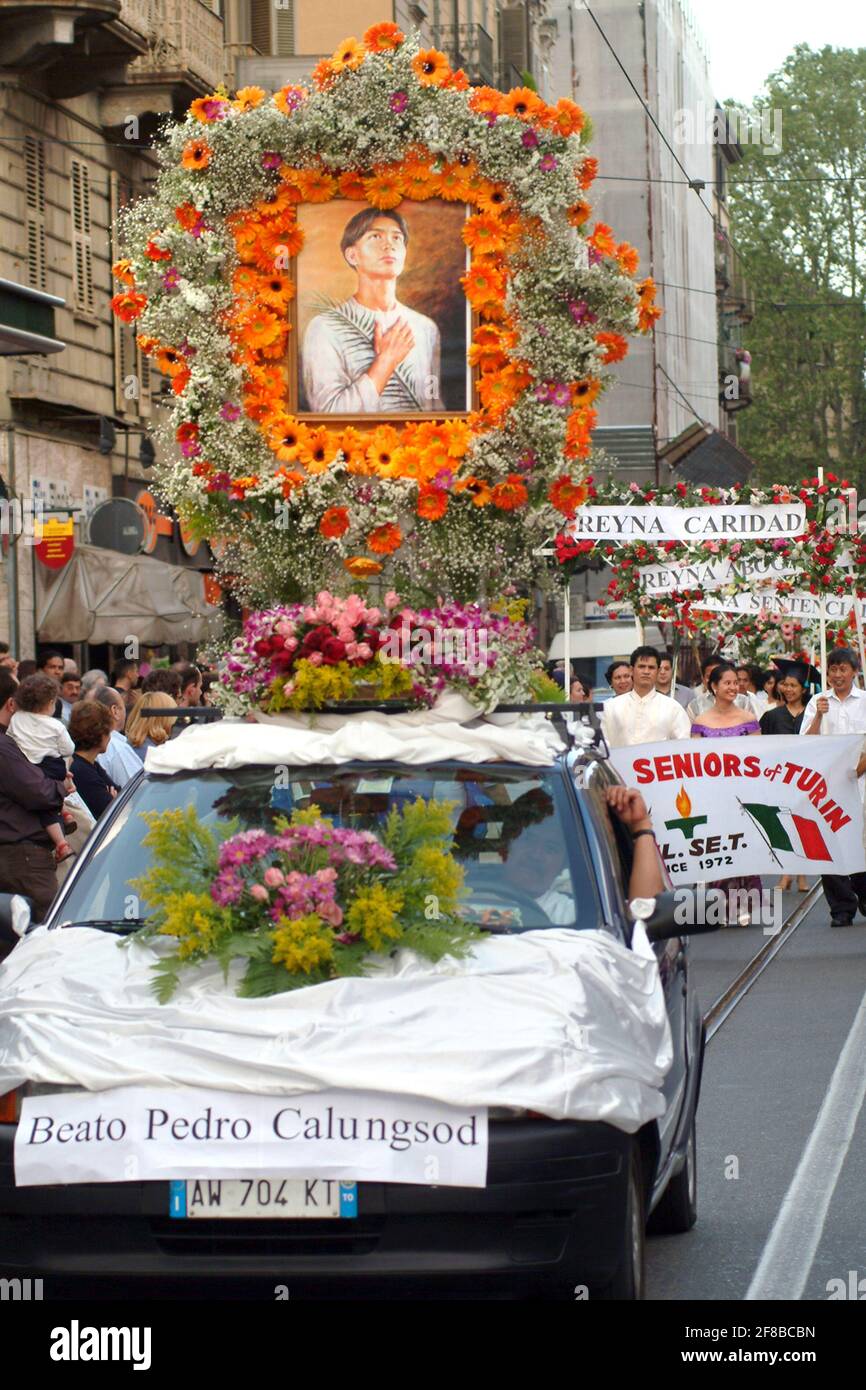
<point>654,718</point>
<point>846,716</point>
<point>336,359</point>
<point>40,736</point>
<point>120,759</point>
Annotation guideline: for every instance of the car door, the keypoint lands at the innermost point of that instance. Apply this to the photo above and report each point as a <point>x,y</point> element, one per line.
<point>671,955</point>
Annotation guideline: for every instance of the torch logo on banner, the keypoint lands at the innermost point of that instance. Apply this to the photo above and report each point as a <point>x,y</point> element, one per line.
<point>687,822</point>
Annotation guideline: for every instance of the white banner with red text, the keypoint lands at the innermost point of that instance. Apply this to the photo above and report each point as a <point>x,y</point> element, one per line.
<point>735,807</point>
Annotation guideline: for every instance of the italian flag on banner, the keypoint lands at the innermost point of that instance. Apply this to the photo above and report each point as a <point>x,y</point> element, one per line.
<point>786,831</point>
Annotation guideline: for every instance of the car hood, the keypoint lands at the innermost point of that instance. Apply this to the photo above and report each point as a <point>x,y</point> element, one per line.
<point>571,1024</point>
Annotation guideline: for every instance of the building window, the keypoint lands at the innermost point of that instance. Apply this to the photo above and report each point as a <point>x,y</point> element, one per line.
<point>82,246</point>
<point>272,27</point>
<point>34,180</point>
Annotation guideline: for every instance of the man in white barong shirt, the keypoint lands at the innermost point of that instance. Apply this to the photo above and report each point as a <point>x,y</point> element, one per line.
<point>643,715</point>
<point>371,354</point>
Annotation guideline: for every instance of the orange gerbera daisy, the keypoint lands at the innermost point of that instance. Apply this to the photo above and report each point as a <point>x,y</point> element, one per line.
<point>258,328</point>
<point>523,103</point>
<point>459,438</point>
<point>351,185</point>
<point>577,434</point>
<point>122,271</point>
<point>362,567</point>
<point>289,98</point>
<point>483,285</point>
<point>280,204</point>
<point>566,496</point>
<point>430,67</point>
<point>408,462</point>
<point>149,346</point>
<point>319,448</point>
<point>510,494</point>
<point>602,239</point>
<point>246,236</point>
<point>614,344</point>
<point>432,503</point>
<point>208,109</point>
<point>246,281</point>
<point>348,55</point>
<point>323,75</point>
<point>285,436</point>
<point>384,540</point>
<point>383,38</point>
<point>353,445</point>
<point>180,381</point>
<point>276,291</point>
<point>316,186</point>
<point>420,182</point>
<point>188,216</point>
<point>486,101</point>
<point>384,442</point>
<point>129,305</point>
<point>627,257</point>
<point>579,212</point>
<point>456,81</point>
<point>275,247</point>
<point>586,391</point>
<point>566,117</point>
<point>477,488</point>
<point>170,362</point>
<point>452,180</point>
<point>384,188</point>
<point>291,480</point>
<point>196,154</point>
<point>588,171</point>
<point>483,233</point>
<point>248,98</point>
<point>494,198</point>
<point>334,523</point>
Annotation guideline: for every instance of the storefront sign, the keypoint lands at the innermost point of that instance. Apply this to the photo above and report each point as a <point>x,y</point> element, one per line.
<point>57,543</point>
<point>143,1134</point>
<point>688,524</point>
<point>751,805</point>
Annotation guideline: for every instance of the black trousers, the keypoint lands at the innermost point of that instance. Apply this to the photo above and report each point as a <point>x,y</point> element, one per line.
<point>843,893</point>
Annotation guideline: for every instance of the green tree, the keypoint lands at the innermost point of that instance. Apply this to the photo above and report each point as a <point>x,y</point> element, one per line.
<point>799,219</point>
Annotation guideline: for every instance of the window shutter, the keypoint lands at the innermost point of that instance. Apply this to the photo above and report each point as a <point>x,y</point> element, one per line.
<point>34,180</point>
<point>82,246</point>
<point>284,37</point>
<point>260,25</point>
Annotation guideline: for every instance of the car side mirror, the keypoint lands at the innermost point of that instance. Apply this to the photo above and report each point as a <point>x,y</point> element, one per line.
<point>15,914</point>
<point>670,914</point>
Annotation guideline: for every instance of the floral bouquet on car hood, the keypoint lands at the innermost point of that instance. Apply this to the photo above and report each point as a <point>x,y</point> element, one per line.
<point>305,902</point>
<point>307,656</point>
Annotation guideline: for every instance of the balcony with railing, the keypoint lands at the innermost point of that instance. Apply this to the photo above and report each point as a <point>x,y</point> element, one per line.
<point>71,46</point>
<point>182,58</point>
<point>470,47</point>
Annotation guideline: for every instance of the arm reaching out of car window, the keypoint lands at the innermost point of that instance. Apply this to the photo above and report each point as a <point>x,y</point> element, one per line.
<point>646,880</point>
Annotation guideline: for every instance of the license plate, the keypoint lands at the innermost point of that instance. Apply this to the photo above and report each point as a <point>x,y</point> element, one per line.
<point>263,1196</point>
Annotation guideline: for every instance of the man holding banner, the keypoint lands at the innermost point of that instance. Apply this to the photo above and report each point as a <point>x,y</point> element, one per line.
<point>841,711</point>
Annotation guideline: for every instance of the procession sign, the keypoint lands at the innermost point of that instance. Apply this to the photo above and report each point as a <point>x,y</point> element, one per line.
<point>752,806</point>
<point>793,605</point>
<point>714,574</point>
<point>689,524</point>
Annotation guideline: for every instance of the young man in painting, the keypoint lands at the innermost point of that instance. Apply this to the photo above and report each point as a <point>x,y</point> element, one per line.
<point>371,354</point>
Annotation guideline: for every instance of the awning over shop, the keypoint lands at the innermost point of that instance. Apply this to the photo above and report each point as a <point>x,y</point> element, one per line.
<point>103,596</point>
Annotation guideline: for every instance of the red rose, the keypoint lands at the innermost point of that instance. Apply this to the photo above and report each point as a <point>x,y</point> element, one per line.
<point>262,647</point>
<point>277,643</point>
<point>333,650</point>
<point>315,640</point>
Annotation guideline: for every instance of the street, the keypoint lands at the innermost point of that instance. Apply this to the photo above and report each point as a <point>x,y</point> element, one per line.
<point>766,1075</point>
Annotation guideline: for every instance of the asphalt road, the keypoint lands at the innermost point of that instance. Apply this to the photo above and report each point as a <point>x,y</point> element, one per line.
<point>767,1075</point>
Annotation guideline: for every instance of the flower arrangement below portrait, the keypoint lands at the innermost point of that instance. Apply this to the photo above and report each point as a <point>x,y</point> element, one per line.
<point>337,650</point>
<point>305,902</point>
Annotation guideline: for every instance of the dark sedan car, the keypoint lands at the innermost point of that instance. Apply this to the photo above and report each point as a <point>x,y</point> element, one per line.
<point>566,1203</point>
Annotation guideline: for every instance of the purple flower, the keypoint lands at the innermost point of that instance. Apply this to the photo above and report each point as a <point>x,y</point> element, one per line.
<point>171,279</point>
<point>541,393</point>
<point>594,257</point>
<point>529,139</point>
<point>559,394</point>
<point>580,311</point>
<point>527,461</point>
<point>214,108</point>
<point>548,162</point>
<point>398,101</point>
<point>190,449</point>
<point>229,411</point>
<point>271,159</point>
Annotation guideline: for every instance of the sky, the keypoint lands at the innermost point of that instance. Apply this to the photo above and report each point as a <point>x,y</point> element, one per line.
<point>748,41</point>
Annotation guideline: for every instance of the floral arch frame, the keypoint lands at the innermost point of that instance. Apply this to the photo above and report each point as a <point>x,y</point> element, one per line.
<point>442,504</point>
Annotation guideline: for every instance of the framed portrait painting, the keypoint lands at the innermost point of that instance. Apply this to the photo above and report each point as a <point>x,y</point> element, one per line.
<point>382,324</point>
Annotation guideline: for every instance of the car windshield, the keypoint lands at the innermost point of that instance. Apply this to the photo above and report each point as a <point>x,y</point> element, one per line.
<point>514,833</point>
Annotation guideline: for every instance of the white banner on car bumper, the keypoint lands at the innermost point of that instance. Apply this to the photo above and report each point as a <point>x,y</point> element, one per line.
<point>742,806</point>
<point>141,1134</point>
